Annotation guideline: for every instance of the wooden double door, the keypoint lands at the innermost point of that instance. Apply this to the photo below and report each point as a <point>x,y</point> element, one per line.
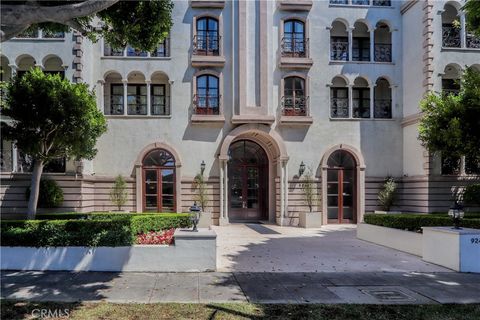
<point>247,182</point>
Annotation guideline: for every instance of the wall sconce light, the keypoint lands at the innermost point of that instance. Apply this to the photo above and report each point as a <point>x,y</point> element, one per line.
<point>202,167</point>
<point>301,170</point>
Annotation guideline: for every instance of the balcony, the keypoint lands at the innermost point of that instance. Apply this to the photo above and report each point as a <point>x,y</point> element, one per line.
<point>206,108</point>
<point>451,37</point>
<point>295,110</point>
<point>295,5</point>
<point>383,53</point>
<point>295,54</point>
<point>217,4</point>
<point>207,51</point>
<point>338,50</point>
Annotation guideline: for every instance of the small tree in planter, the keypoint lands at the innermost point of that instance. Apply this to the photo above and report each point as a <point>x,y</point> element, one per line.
<point>118,194</point>
<point>202,198</point>
<point>386,196</point>
<point>310,219</point>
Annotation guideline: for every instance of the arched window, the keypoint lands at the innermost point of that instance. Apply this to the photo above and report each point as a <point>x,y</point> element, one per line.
<point>361,98</point>
<point>383,99</point>
<point>338,42</point>
<point>361,42</point>
<point>294,43</point>
<point>159,181</point>
<point>450,30</point>
<point>207,98</point>
<point>294,98</point>
<point>339,98</point>
<point>383,43</point>
<point>207,39</point>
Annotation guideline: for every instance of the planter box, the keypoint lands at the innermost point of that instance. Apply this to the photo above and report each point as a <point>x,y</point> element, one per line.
<point>457,249</point>
<point>406,241</point>
<point>192,252</point>
<point>310,219</point>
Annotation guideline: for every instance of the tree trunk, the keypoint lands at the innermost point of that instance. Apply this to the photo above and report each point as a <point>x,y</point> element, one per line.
<point>34,189</point>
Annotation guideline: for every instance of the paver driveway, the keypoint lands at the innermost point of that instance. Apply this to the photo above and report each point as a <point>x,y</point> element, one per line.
<point>332,248</point>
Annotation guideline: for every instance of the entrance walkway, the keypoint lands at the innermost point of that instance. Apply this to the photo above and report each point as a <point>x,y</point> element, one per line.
<point>332,248</point>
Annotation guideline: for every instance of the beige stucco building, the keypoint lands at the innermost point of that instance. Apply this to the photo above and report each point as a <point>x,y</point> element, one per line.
<point>261,92</point>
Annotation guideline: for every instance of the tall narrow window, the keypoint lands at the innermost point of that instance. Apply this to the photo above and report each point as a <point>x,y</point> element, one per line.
<point>450,27</point>
<point>294,42</point>
<point>383,100</point>
<point>207,40</point>
<point>339,99</point>
<point>207,99</point>
<point>116,100</point>
<point>361,43</point>
<point>383,43</point>
<point>159,100</point>
<point>137,99</point>
<point>294,99</point>
<point>338,42</point>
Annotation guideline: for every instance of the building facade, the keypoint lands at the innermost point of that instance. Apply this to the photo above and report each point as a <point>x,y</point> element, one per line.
<point>255,95</point>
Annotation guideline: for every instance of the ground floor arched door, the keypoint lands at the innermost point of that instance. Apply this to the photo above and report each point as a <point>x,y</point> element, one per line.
<point>341,188</point>
<point>158,169</point>
<point>247,182</point>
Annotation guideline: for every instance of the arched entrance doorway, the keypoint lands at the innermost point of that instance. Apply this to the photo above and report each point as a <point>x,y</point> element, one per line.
<point>158,172</point>
<point>247,181</point>
<point>341,188</point>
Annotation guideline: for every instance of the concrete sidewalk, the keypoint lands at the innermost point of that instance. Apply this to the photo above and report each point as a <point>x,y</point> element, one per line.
<point>327,287</point>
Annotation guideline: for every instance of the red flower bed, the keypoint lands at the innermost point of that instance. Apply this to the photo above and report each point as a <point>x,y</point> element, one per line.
<point>154,237</point>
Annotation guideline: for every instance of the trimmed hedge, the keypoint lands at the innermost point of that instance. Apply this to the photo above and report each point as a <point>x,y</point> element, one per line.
<point>415,222</point>
<point>101,231</point>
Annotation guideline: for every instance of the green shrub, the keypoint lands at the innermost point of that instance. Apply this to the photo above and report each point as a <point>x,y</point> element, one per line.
<point>101,231</point>
<point>386,196</point>
<point>471,195</point>
<point>50,194</point>
<point>415,222</point>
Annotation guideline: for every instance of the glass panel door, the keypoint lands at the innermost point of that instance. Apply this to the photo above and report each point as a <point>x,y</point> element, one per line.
<point>168,190</point>
<point>341,195</point>
<point>151,190</point>
<point>332,195</point>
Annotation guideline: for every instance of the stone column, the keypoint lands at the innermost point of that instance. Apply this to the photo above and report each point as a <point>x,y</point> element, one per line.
<point>101,94</point>
<point>125,104</point>
<point>350,43</point>
<point>13,70</point>
<point>138,189</point>
<point>14,157</point>
<point>223,220</point>
<point>463,31</point>
<point>350,101</point>
<point>285,189</point>
<point>282,192</point>
<point>148,82</point>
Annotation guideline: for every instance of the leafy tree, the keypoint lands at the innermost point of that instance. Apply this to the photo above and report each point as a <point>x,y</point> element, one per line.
<point>201,186</point>
<point>472,8</point>
<point>142,24</point>
<point>309,189</point>
<point>118,194</point>
<point>51,118</point>
<point>451,123</point>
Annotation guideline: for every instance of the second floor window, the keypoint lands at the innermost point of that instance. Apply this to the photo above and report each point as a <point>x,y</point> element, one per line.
<point>116,100</point>
<point>294,99</point>
<point>294,42</point>
<point>207,99</point>
<point>137,99</point>
<point>207,39</point>
<point>159,105</point>
<point>339,102</point>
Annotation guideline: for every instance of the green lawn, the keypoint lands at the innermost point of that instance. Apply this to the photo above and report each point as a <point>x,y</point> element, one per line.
<point>104,311</point>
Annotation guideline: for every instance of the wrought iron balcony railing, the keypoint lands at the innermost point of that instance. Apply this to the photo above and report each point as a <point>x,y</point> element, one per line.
<point>163,50</point>
<point>295,48</point>
<point>383,52</point>
<point>295,106</point>
<point>338,1</point>
<point>361,2</point>
<point>382,108</point>
<point>361,108</point>
<point>382,3</point>
<point>160,105</point>
<point>473,41</point>
<point>132,52</point>
<point>206,104</point>
<point>450,36</point>
<point>206,45</point>
<point>339,50</point>
<point>339,108</point>
<point>450,91</point>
